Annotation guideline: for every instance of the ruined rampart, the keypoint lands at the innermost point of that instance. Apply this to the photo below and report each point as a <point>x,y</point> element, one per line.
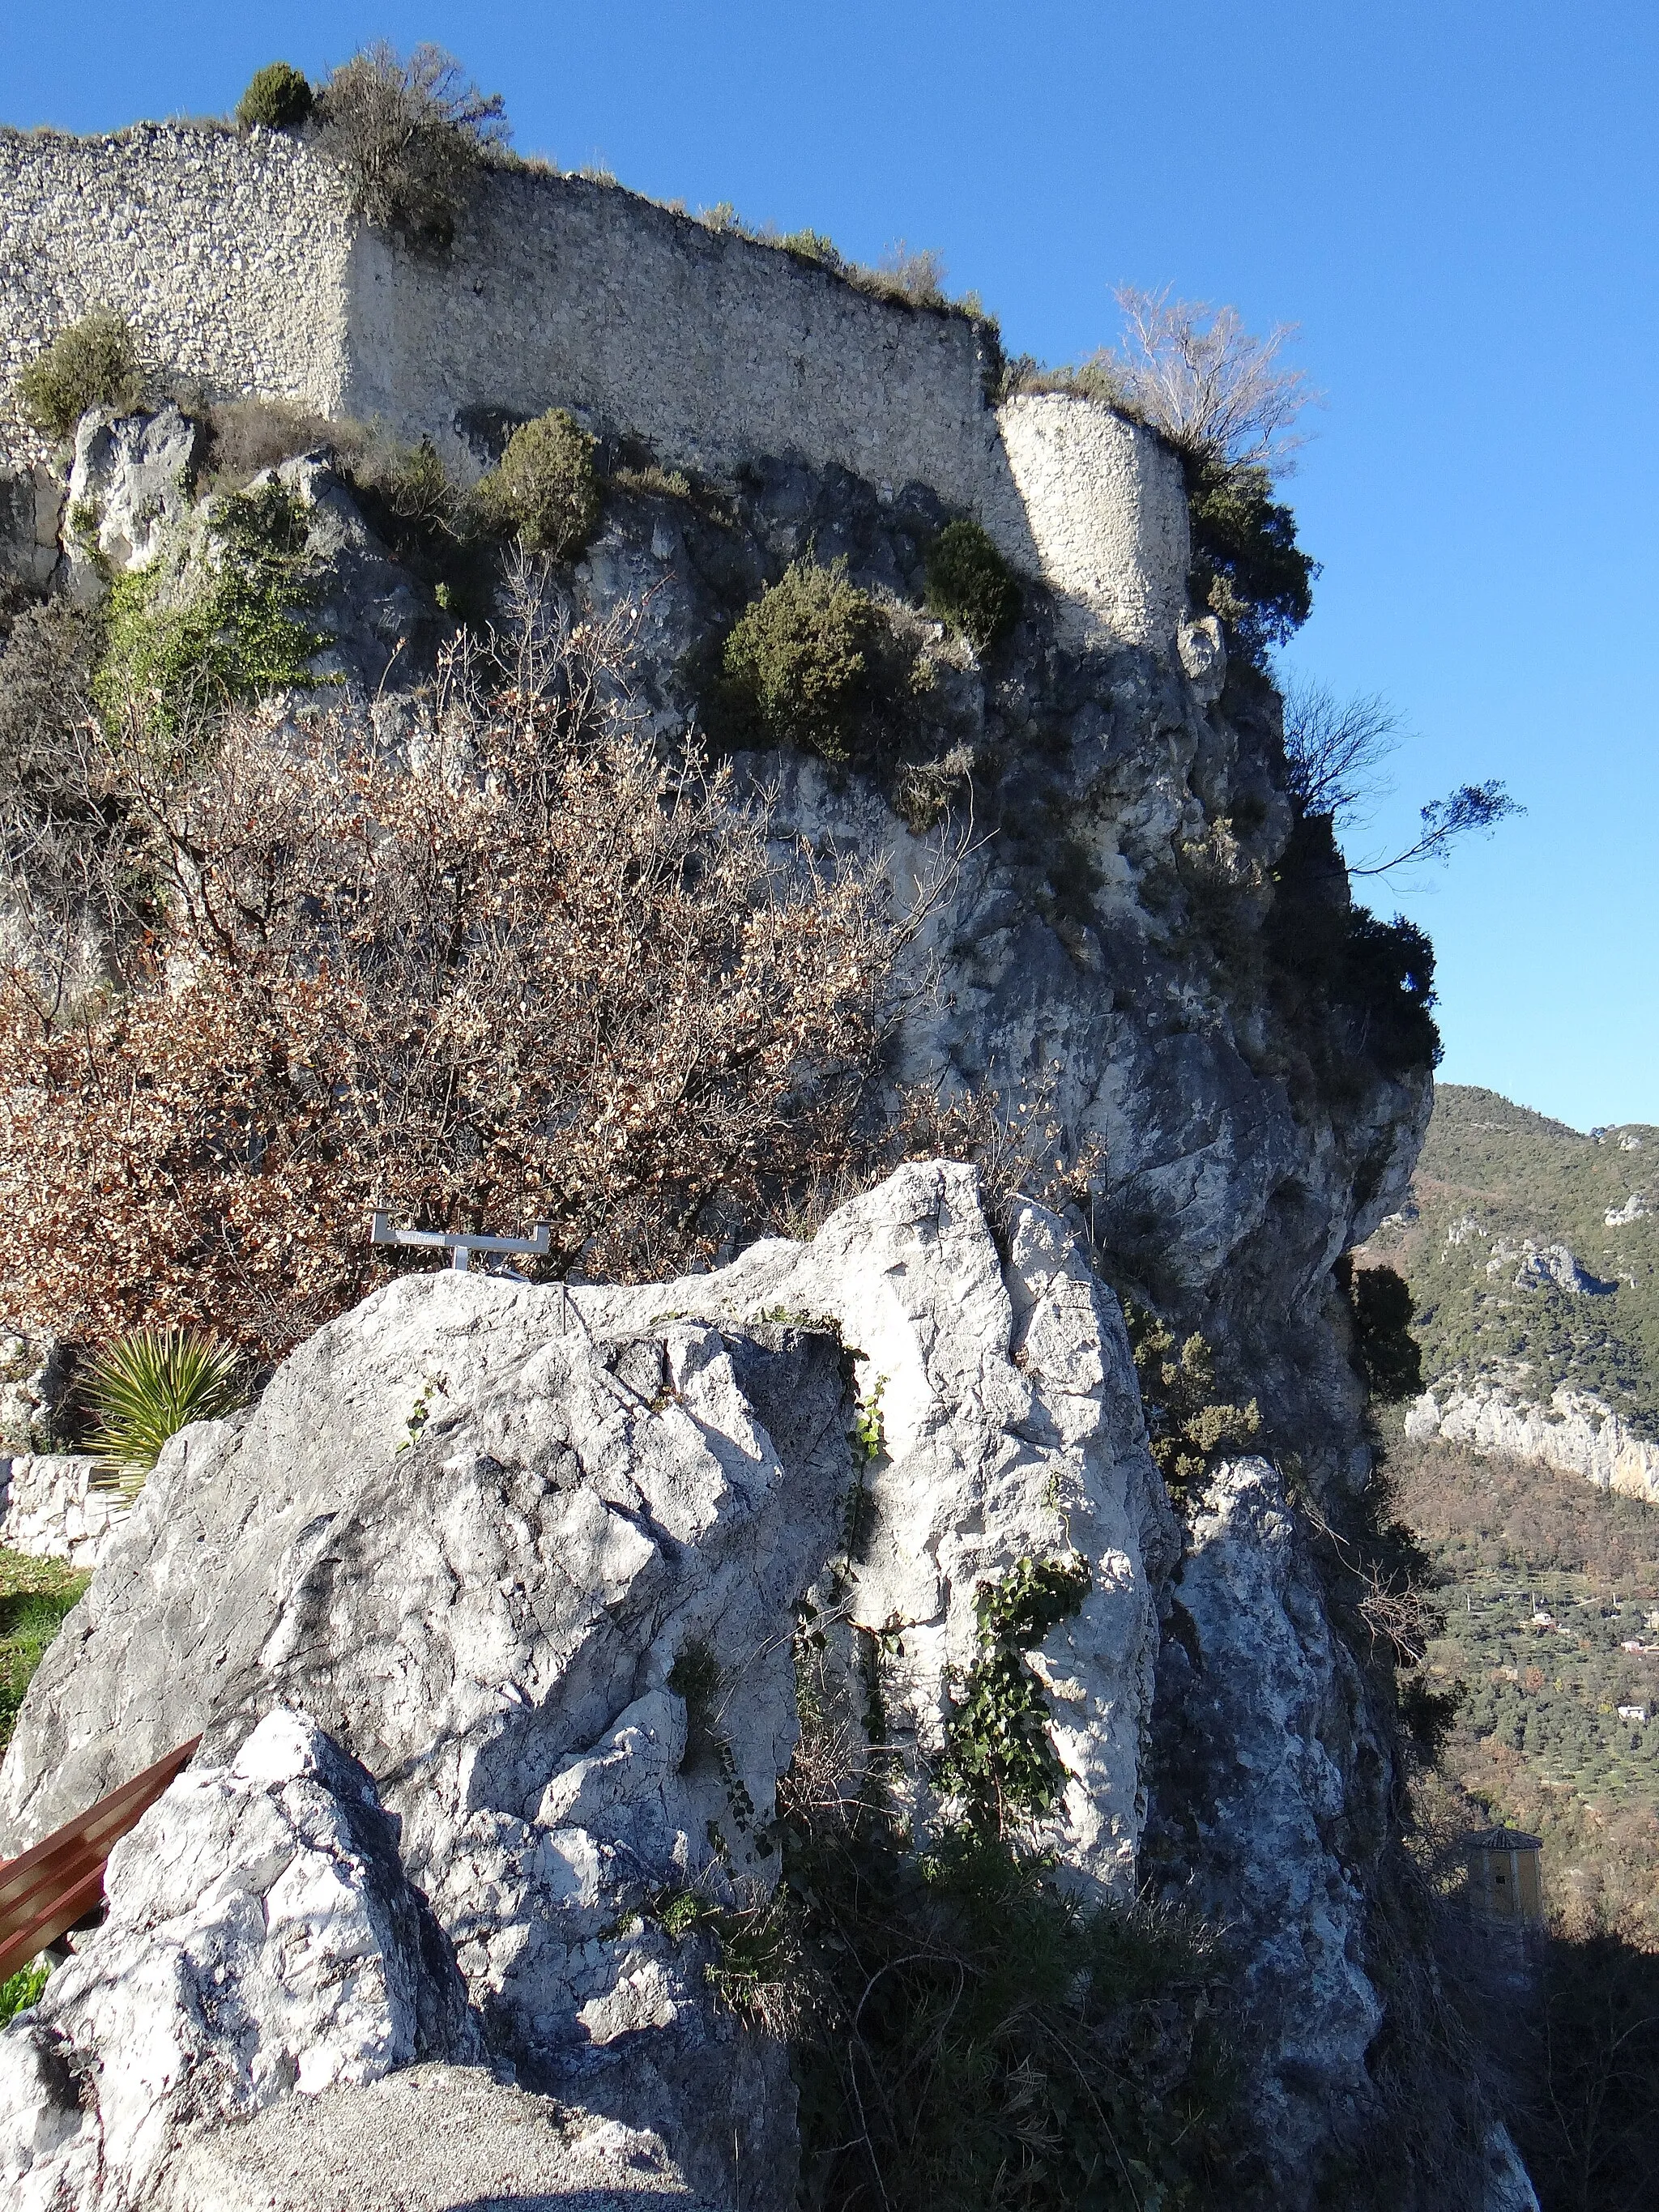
<point>237,260</point>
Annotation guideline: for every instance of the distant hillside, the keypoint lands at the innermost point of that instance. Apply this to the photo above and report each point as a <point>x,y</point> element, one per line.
<point>1532,1251</point>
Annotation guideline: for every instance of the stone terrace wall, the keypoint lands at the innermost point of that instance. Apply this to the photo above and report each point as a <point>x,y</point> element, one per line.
<point>236,259</point>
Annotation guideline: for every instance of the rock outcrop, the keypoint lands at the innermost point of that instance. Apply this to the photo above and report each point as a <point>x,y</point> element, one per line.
<point>532,1557</point>
<point>1576,1433</point>
<point>262,1938</point>
<point>1109,953</point>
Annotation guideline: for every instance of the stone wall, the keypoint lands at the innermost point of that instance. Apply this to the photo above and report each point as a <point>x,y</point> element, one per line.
<point>228,256</point>
<point>236,259</point>
<point>50,1508</point>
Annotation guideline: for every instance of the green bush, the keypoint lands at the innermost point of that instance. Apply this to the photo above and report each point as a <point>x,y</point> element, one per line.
<point>1187,1424</point>
<point>1246,566</point>
<point>545,487</point>
<point>93,363</point>
<point>277,99</point>
<point>148,1385</point>
<point>410,136</point>
<point>968,584</point>
<point>796,660</point>
<point>233,638</point>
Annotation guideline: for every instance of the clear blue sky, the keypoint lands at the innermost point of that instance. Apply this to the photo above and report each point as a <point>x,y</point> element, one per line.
<point>1459,205</point>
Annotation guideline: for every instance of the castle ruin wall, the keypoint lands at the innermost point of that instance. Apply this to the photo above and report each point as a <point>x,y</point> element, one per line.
<point>237,260</point>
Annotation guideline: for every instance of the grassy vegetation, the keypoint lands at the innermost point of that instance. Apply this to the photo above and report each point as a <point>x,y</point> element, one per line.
<point>21,1989</point>
<point>1493,1175</point>
<point>35,1594</point>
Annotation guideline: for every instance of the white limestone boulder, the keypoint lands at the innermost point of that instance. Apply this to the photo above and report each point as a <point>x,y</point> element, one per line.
<point>262,1938</point>
<point>486,1534</point>
<point>129,489</point>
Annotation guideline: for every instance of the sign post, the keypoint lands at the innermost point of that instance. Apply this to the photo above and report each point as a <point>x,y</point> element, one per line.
<point>462,1243</point>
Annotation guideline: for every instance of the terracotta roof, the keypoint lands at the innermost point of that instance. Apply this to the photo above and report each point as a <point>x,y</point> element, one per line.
<point>1503,1839</point>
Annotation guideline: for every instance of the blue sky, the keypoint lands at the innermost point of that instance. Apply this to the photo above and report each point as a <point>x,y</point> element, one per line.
<point>1458,203</point>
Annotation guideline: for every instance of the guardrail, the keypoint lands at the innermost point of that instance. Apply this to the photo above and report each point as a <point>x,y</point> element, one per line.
<point>48,1888</point>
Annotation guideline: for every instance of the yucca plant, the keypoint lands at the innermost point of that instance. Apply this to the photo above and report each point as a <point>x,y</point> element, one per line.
<point>147,1386</point>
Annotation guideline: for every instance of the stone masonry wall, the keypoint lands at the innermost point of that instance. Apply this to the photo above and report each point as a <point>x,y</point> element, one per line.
<point>228,255</point>
<point>236,259</point>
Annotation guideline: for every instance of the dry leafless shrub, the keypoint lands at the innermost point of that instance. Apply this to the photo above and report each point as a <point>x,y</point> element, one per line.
<point>517,969</point>
<point>1193,372</point>
<point>246,435</point>
<point>410,135</point>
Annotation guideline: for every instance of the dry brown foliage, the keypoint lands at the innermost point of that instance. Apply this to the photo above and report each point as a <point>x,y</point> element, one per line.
<point>511,967</point>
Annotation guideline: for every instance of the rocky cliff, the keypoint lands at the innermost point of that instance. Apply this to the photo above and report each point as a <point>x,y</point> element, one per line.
<point>1530,1248</point>
<point>1123,939</point>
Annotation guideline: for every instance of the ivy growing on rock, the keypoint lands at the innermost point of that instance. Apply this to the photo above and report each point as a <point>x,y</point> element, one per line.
<point>179,649</point>
<point>1000,1757</point>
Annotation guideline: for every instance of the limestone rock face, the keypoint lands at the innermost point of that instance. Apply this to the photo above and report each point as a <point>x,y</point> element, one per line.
<point>1576,1433</point>
<point>533,1558</point>
<point>128,488</point>
<point>262,1937</point>
<point>1265,1748</point>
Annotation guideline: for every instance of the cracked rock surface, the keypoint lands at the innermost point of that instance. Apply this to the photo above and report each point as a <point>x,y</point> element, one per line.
<point>473,1537</point>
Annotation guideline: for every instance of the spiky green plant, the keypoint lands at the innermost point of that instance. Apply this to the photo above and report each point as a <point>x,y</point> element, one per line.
<point>147,1386</point>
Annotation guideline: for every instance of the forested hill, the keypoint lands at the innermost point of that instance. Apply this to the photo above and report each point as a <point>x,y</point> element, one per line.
<point>1532,1251</point>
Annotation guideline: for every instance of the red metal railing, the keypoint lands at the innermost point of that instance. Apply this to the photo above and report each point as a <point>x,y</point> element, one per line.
<point>49,1887</point>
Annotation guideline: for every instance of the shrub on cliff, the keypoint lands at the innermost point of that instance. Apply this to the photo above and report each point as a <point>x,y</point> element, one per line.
<point>545,489</point>
<point>1246,566</point>
<point>969,584</point>
<point>796,661</point>
<point>521,971</point>
<point>410,136</point>
<point>278,98</point>
<point>1186,1423</point>
<point>180,647</point>
<point>94,363</point>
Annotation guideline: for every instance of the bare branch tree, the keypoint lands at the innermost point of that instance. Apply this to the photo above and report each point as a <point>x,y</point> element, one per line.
<point>1471,806</point>
<point>1195,373</point>
<point>504,965</point>
<point>1333,748</point>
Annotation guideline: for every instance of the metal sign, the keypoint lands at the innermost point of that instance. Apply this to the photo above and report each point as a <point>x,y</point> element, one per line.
<point>462,1243</point>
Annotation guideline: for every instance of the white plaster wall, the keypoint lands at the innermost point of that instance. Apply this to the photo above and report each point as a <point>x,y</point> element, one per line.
<point>236,260</point>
